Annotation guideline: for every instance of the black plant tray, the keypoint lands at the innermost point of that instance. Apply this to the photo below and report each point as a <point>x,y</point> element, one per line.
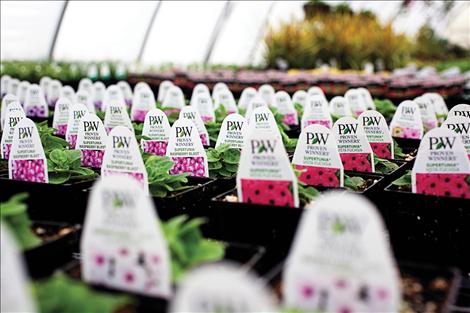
<point>374,183</point>
<point>50,202</point>
<point>428,228</point>
<point>247,255</point>
<point>44,259</point>
<point>439,285</point>
<point>407,143</point>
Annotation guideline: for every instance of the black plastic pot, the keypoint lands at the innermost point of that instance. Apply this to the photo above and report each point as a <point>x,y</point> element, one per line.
<point>44,259</point>
<point>407,143</point>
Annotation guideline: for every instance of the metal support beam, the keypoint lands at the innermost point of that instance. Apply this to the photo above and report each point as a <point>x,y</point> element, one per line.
<point>57,30</point>
<point>219,26</point>
<point>261,33</point>
<point>149,29</point>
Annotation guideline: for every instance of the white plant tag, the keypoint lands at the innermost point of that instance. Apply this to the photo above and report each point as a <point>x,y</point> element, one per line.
<point>341,260</point>
<point>68,92</point>
<point>248,94</point>
<point>86,84</point>
<point>13,86</point>
<point>199,90</point>
<point>232,131</point>
<point>204,105</point>
<point>122,157</point>
<point>442,167</point>
<point>141,85</point>
<point>284,105</point>
<point>262,119</point>
<point>461,126</point>
<point>6,101</point>
<point>356,101</point>
<point>76,112</point>
<point>14,114</point>
<point>374,125</point>
<point>225,98</point>
<point>126,92</point>
<point>406,122</point>
<point>4,85</point>
<point>143,102</point>
<point>157,128</point>
<point>222,288</point>
<point>316,112</point>
<point>190,113</point>
<point>22,90</point>
<point>174,100</point>
<point>35,104</point>
<point>61,116</point>
<point>91,140</point>
<point>113,94</point>
<point>215,92</point>
<point>267,93</point>
<point>122,244</point>
<point>300,97</point>
<point>366,98</point>
<point>116,115</point>
<point>163,88</point>
<point>44,83</point>
<point>186,150</point>
<point>265,175</point>
<point>428,115</point>
<point>99,91</point>
<point>460,110</point>
<point>82,96</point>
<point>257,102</point>
<point>53,94</point>
<point>353,146</point>
<point>27,160</point>
<point>316,91</point>
<point>317,156</point>
<point>339,107</point>
<point>440,106</point>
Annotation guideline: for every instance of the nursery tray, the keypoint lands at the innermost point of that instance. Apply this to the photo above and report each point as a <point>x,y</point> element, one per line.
<point>50,202</point>
<point>407,143</point>
<point>424,287</point>
<point>428,228</point>
<point>60,241</point>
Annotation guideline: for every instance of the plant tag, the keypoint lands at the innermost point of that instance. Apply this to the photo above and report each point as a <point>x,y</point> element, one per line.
<point>339,107</point>
<point>406,122</point>
<point>122,157</point>
<point>68,92</point>
<point>35,104</point>
<point>461,126</point>
<point>341,260</point>
<point>366,98</point>
<point>354,149</point>
<point>186,150</point>
<point>44,84</point>
<point>442,167</point>
<point>157,128</point>
<point>163,88</point>
<point>225,98</point>
<point>113,94</point>
<point>6,101</point>
<point>13,86</point>
<point>85,98</point>
<point>316,91</point>
<point>91,140</point>
<point>199,90</point>
<point>267,93</point>
<point>428,115</point>
<point>374,125</point>
<point>126,92</point>
<point>460,110</point>
<point>86,84</point>
<point>76,112</point>
<point>122,243</point>
<point>232,131</point>
<point>143,101</point>
<point>99,92</point>
<point>205,107</point>
<point>248,94</point>
<point>190,113</point>
<point>300,97</point>
<point>317,156</point>
<point>61,116</point>
<point>14,114</point>
<point>215,92</point>
<point>286,108</point>
<point>174,100</point>
<point>356,101</point>
<point>316,112</point>
<point>265,175</point>
<point>262,119</point>
<point>27,160</point>
<point>222,288</point>
<point>22,91</point>
<point>116,114</point>
<point>257,102</point>
<point>54,92</point>
<point>5,81</point>
<point>439,104</point>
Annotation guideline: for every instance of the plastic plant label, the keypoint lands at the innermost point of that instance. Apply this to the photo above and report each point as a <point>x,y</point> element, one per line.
<point>163,88</point>
<point>186,150</point>
<point>300,97</point>
<point>286,108</point>
<point>367,98</point>
<point>122,157</point>
<point>22,91</point>
<point>257,102</point>
<point>44,84</point>
<point>61,116</point>
<point>267,93</point>
<point>12,118</point>
<point>265,175</point>
<point>140,85</point>
<point>353,146</point>
<point>341,260</point>
<point>461,126</point>
<point>222,288</point>
<point>126,92</point>
<point>190,113</point>
<point>91,140</point>
<point>460,110</point>
<point>262,119</point>
<point>27,160</point>
<point>116,115</point>
<point>53,94</point>
<point>441,167</point>
<point>35,103</point>
<point>6,101</point>
<point>439,104</point>
<point>248,94</point>
<point>374,125</point>
<point>122,244</point>
<point>317,156</point>
<point>86,84</point>
<point>199,90</point>
<point>113,94</point>
<point>85,98</point>
<point>15,293</point>
<point>215,92</point>
<point>356,101</point>
<point>5,81</point>
<point>204,105</point>
<point>428,115</point>
<point>13,86</point>
<point>316,112</point>
<point>76,112</point>
<point>68,92</point>
<point>339,107</point>
<point>143,101</point>
<point>226,99</point>
<point>174,100</point>
<point>232,131</point>
<point>99,91</point>
<point>406,122</point>
<point>316,91</point>
<point>157,128</point>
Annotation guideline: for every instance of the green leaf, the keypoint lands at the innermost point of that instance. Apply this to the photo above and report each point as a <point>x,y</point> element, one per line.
<point>355,183</point>
<point>58,177</point>
<point>214,165</point>
<point>403,181</point>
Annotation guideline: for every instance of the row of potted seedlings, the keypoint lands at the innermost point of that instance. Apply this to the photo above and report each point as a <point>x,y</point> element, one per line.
<point>265,147</point>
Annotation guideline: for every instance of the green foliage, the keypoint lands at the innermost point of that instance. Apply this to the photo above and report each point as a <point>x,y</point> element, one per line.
<point>223,161</point>
<point>404,181</point>
<point>213,129</point>
<point>188,248</point>
<point>61,294</point>
<point>48,140</point>
<point>220,114</point>
<point>14,213</point>
<point>65,165</point>
<point>306,193</point>
<point>384,166</point>
<point>354,183</point>
<point>160,182</point>
<point>385,107</point>
<point>430,46</point>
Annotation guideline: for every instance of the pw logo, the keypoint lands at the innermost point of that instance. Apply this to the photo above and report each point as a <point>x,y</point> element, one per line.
<point>189,115</point>
<point>462,113</point>
<point>90,126</point>
<point>461,128</point>
<point>155,120</point>
<point>260,146</point>
<point>234,125</point>
<point>408,110</point>
<point>261,117</point>
<point>183,131</point>
<point>25,132</point>
<point>345,129</point>
<point>13,121</point>
<point>121,142</point>
<point>336,224</point>
<point>317,138</point>
<point>115,110</point>
<point>118,200</point>
<point>78,114</point>
<point>371,121</point>
<point>437,143</point>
